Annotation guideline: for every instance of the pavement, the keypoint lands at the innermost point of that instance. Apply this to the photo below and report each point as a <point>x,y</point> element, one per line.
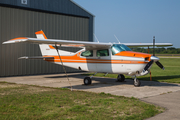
<point>162,94</point>
<point>170,101</point>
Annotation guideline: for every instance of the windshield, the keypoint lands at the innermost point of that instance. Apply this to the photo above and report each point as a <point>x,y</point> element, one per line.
<point>116,48</point>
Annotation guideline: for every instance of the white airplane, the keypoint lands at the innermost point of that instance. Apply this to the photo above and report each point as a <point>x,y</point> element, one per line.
<point>95,57</point>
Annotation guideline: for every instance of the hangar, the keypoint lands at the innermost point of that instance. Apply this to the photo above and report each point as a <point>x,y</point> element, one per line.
<point>59,19</point>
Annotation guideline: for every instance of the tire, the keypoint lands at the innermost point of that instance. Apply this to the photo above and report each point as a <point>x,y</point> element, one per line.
<point>137,83</point>
<point>87,81</point>
<point>120,78</point>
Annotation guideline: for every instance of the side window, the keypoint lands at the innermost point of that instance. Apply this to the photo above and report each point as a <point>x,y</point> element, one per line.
<point>88,53</point>
<point>102,53</point>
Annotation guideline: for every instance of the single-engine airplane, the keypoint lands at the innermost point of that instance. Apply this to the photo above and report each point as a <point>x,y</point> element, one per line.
<point>95,56</point>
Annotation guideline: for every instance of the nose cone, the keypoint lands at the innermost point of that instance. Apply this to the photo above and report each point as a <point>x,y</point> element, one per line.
<point>154,58</point>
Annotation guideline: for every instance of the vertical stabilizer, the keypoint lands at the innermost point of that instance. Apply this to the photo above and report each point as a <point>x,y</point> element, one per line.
<point>43,47</point>
<point>40,35</point>
<point>48,49</point>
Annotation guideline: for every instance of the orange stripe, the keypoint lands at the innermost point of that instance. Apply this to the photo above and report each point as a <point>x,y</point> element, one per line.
<point>19,38</point>
<point>77,59</point>
<point>110,62</point>
<point>51,47</point>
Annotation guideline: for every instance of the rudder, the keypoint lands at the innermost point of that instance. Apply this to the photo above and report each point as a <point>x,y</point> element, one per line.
<point>43,47</point>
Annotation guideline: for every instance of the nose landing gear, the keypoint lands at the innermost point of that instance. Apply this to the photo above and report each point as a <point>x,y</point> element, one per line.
<point>137,83</point>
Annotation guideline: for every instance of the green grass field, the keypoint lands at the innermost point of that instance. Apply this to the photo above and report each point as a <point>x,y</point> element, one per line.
<point>171,74</point>
<point>33,102</point>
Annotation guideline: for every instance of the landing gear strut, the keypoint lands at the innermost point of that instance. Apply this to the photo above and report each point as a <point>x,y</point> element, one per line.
<point>120,78</point>
<point>137,83</point>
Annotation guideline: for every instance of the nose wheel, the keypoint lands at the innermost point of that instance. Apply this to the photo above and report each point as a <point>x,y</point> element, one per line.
<point>137,83</point>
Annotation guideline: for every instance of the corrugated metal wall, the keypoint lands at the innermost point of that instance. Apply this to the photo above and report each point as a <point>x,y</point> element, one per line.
<point>67,7</point>
<point>16,22</point>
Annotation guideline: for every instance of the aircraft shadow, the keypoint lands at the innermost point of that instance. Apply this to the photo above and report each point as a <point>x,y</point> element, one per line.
<point>64,76</point>
<point>163,77</point>
<point>98,82</point>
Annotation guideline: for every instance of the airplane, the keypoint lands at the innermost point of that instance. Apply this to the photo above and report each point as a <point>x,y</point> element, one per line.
<point>96,57</point>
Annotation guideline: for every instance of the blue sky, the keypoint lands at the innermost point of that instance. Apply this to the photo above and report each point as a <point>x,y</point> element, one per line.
<point>135,21</point>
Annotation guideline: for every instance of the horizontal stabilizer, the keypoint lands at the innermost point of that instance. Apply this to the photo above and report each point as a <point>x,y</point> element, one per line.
<point>36,57</point>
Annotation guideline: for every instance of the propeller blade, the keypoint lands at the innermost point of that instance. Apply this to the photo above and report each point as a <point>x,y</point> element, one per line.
<point>160,65</point>
<point>148,65</point>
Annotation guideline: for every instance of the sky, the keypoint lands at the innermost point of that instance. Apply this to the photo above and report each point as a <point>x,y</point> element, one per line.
<point>135,21</point>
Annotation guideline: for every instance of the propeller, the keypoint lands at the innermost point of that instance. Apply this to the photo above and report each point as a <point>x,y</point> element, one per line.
<point>148,65</point>
<point>153,59</point>
<point>160,65</point>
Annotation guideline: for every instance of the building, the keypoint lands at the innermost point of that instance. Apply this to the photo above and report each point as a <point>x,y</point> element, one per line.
<point>59,19</point>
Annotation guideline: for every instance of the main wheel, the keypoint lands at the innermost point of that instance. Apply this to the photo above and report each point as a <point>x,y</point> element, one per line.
<point>137,83</point>
<point>87,81</point>
<point>120,78</point>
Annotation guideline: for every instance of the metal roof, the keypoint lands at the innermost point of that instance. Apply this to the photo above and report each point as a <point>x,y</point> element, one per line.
<point>68,7</point>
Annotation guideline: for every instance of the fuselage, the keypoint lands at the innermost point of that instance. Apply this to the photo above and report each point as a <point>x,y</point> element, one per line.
<point>116,59</point>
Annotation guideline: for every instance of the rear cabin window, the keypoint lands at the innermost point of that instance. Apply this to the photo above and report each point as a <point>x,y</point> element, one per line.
<point>88,53</point>
<point>101,53</point>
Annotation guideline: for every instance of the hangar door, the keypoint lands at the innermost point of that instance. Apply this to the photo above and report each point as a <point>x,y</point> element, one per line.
<point>16,22</point>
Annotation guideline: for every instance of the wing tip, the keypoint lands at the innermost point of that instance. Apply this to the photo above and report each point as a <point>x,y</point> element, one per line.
<point>15,40</point>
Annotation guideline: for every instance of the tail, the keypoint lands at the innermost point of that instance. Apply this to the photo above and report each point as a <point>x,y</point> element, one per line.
<point>43,47</point>
<point>48,49</point>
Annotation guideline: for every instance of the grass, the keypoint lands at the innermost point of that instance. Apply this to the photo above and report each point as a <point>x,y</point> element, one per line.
<point>171,74</point>
<point>33,102</point>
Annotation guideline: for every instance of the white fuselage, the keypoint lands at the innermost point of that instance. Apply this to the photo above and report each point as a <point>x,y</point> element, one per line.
<point>129,65</point>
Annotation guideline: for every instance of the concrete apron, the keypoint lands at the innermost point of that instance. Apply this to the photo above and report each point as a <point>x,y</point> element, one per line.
<point>107,85</point>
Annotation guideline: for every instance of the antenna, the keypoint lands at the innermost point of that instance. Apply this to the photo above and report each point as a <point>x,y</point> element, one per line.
<point>153,45</point>
<point>116,38</point>
<point>96,38</point>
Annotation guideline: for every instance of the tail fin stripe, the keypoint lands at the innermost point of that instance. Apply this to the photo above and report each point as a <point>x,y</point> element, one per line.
<point>40,34</point>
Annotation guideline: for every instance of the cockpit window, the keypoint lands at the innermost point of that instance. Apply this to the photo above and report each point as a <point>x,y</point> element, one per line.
<point>101,53</point>
<point>88,53</point>
<point>116,48</point>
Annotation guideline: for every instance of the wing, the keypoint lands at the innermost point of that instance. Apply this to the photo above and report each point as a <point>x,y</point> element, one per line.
<point>42,39</point>
<point>147,44</point>
<point>68,43</point>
